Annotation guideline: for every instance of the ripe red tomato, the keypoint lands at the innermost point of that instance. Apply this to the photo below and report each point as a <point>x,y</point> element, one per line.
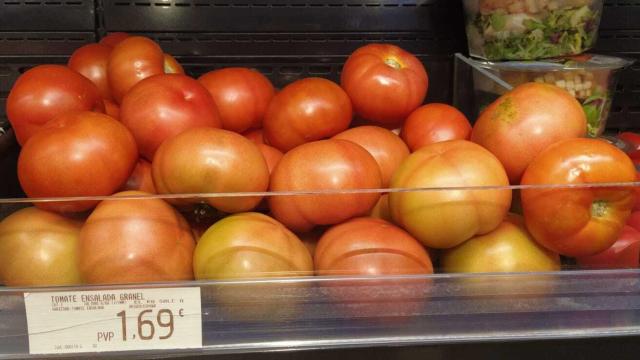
<point>324,165</point>
<point>306,110</point>
<point>632,140</point>
<point>271,155</point>
<point>208,160</point>
<point>255,135</point>
<point>385,83</point>
<point>76,154</point>
<point>634,219</point>
<point>112,109</point>
<point>445,218</point>
<point>141,178</point>
<point>524,121</point>
<point>163,106</point>
<point>624,253</point>
<point>135,240</point>
<point>132,60</point>
<point>113,39</point>
<point>578,221</point>
<point>369,246</point>
<point>385,146</point>
<point>39,248</point>
<point>242,96</point>
<point>44,92</point>
<point>433,123</point>
<point>91,61</point>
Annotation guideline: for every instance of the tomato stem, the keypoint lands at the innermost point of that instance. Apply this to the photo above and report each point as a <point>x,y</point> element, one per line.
<point>393,63</point>
<point>598,208</point>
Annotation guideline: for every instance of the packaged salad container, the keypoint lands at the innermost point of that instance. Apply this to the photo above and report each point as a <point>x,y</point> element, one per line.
<point>591,79</point>
<point>531,29</point>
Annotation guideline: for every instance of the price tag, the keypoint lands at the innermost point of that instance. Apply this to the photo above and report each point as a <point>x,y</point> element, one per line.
<point>114,320</point>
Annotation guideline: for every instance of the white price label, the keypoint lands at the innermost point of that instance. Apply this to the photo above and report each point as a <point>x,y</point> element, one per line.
<point>114,320</point>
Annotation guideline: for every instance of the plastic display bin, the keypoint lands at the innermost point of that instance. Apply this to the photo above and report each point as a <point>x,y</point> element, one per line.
<point>286,40</point>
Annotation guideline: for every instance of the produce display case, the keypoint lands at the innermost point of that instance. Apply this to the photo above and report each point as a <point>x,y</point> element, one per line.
<point>287,40</point>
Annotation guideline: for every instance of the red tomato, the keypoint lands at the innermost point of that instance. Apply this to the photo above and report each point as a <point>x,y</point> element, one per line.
<point>77,154</point>
<point>634,219</point>
<point>271,155</point>
<point>624,253</point>
<point>39,248</point>
<point>113,39</point>
<point>132,60</point>
<point>242,96</point>
<point>632,140</point>
<point>171,65</point>
<point>256,135</point>
<point>306,110</point>
<point>385,146</point>
<point>385,83</point>
<point>208,160</point>
<point>524,121</point>
<point>324,165</point>
<point>141,178</point>
<point>112,109</point>
<point>434,123</point>
<point>135,240</point>
<point>44,92</point>
<point>446,218</point>
<point>163,106</point>
<point>91,61</point>
<point>578,221</point>
<point>369,246</point>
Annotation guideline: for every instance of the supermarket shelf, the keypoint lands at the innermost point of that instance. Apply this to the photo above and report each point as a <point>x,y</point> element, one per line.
<point>310,313</point>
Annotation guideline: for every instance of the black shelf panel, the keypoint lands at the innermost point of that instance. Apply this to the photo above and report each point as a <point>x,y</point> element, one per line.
<point>38,44</point>
<point>47,15</point>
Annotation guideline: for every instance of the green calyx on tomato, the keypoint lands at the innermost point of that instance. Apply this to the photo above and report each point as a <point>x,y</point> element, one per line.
<point>394,63</point>
<point>599,208</point>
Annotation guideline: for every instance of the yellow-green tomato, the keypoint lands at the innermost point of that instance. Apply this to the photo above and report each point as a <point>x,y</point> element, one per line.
<point>508,248</point>
<point>442,219</point>
<point>39,248</point>
<point>249,245</point>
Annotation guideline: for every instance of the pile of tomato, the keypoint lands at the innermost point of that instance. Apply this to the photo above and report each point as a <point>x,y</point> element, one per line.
<point>356,178</point>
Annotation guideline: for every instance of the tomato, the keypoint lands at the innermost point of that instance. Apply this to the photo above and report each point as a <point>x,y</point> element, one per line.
<point>445,218</point>
<point>255,135</point>
<point>578,221</point>
<point>271,155</point>
<point>208,160</point>
<point>524,121</point>
<point>624,253</point>
<point>45,91</point>
<point>113,39</point>
<point>386,147</point>
<point>632,140</point>
<point>381,210</point>
<point>141,178</point>
<point>38,248</point>
<point>91,61</point>
<point>112,109</point>
<point>242,96</point>
<point>634,219</point>
<point>306,110</point>
<point>433,123</point>
<point>171,65</point>
<point>132,60</point>
<point>508,248</point>
<point>369,246</point>
<point>163,106</point>
<point>324,165</point>
<point>76,154</point>
<point>135,240</point>
<point>385,83</point>
<point>250,245</point>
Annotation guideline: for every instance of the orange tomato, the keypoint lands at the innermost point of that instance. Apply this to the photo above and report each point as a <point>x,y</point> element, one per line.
<point>91,61</point>
<point>433,123</point>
